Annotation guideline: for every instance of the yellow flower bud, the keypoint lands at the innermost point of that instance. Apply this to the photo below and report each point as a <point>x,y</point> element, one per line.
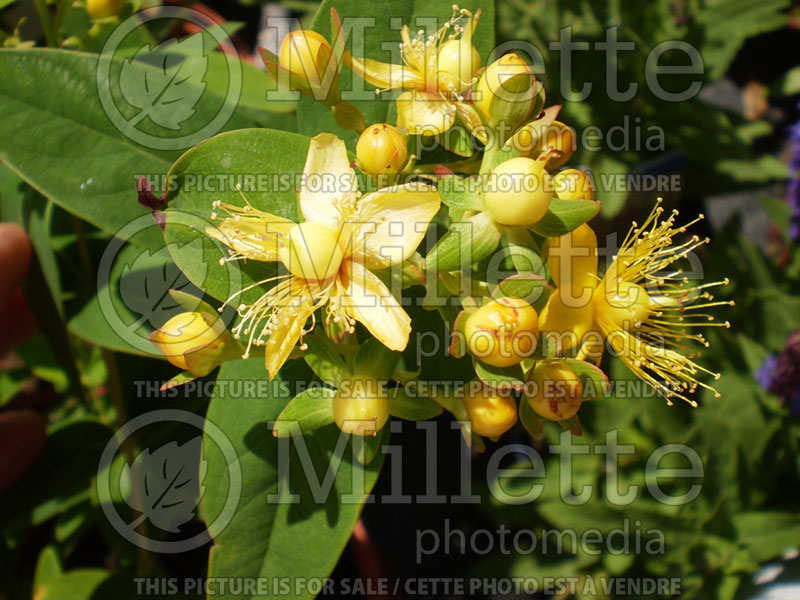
<point>361,406</point>
<point>491,82</point>
<point>623,304</point>
<point>519,192</point>
<point>306,54</point>
<point>381,148</point>
<point>573,184</point>
<point>311,251</point>
<point>558,391</point>
<point>557,136</point>
<point>458,62</point>
<point>490,412</point>
<point>194,341</point>
<point>102,9</point>
<point>503,332</point>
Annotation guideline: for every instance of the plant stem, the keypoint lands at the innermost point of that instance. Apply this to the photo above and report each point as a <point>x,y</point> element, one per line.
<point>61,9</point>
<point>47,24</point>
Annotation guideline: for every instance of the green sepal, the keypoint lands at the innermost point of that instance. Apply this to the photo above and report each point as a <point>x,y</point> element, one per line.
<point>592,378</point>
<point>307,411</point>
<point>533,423</point>
<point>375,360</point>
<point>460,193</point>
<point>564,216</point>
<point>466,243</point>
<point>458,338</point>
<point>325,359</point>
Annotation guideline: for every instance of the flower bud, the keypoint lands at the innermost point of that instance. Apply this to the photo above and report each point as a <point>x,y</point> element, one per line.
<point>492,95</point>
<point>361,406</point>
<point>311,251</point>
<point>381,149</point>
<point>556,137</point>
<point>557,391</point>
<point>306,54</point>
<point>490,412</point>
<point>102,9</point>
<point>519,192</point>
<point>503,332</point>
<point>195,341</point>
<point>573,184</point>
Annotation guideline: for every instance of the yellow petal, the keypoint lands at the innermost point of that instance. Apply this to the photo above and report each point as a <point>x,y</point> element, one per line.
<point>384,76</point>
<point>573,258</point>
<point>567,319</point>
<point>394,221</point>
<point>364,298</point>
<point>328,181</point>
<point>289,321</point>
<point>421,112</point>
<point>472,120</point>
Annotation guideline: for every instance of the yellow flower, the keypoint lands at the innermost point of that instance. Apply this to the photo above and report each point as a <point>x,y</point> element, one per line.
<point>644,307</point>
<point>330,256</point>
<point>435,72</point>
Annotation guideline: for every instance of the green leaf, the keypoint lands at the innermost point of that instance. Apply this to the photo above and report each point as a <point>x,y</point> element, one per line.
<point>376,360</point>
<point>267,539</point>
<point>61,477</point>
<point>460,192</point>
<point>499,377</point>
<point>564,216</point>
<point>532,422</point>
<point>272,162</point>
<point>86,584</point>
<point>71,151</point>
<point>466,243</point>
<point>48,567</point>
<point>306,412</point>
<point>324,359</point>
<point>415,408</point>
<point>766,534</point>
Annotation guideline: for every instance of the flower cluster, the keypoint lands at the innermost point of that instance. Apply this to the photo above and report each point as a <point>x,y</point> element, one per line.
<point>537,338</point>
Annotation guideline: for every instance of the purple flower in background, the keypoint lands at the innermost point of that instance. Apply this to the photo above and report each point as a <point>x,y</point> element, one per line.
<point>793,192</point>
<point>780,374</point>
